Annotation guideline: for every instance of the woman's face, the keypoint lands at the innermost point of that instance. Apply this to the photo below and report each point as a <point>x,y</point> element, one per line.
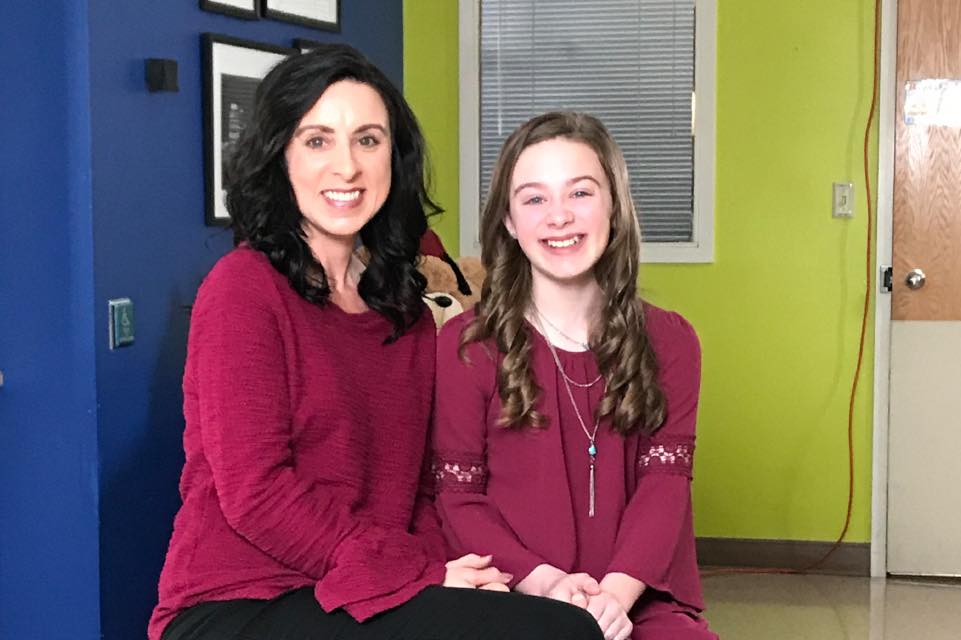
<point>560,209</point>
<point>338,161</point>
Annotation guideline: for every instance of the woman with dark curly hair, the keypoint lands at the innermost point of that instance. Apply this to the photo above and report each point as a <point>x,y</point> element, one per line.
<point>565,405</point>
<point>307,503</point>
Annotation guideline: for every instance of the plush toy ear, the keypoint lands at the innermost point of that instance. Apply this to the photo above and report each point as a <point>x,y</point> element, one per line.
<point>431,245</point>
<point>462,285</point>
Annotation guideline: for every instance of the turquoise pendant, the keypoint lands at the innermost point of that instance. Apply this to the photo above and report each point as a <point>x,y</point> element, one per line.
<point>592,450</point>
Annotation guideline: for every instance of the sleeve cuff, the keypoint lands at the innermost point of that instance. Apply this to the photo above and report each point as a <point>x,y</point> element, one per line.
<point>365,608</point>
<point>379,563</point>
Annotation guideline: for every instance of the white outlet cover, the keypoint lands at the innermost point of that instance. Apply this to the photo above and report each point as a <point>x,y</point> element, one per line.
<point>842,200</point>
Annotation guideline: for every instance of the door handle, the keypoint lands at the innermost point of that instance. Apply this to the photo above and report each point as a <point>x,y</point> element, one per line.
<point>915,279</point>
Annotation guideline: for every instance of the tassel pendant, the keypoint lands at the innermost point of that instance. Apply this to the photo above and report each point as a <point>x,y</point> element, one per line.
<point>592,451</point>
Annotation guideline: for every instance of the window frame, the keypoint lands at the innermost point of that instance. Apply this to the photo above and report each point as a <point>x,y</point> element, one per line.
<point>701,249</point>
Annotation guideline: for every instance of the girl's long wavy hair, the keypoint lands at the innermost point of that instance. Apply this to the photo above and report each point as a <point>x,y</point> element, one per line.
<point>632,399</point>
<point>264,210</point>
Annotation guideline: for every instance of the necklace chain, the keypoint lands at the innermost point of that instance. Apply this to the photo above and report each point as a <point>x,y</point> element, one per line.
<point>592,434</point>
<point>584,345</point>
<point>583,385</point>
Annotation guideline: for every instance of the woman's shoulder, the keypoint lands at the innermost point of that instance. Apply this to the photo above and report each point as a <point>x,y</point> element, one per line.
<point>241,268</point>
<point>242,277</point>
<point>241,262</point>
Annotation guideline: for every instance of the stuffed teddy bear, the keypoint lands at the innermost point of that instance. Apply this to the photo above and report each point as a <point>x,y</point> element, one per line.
<point>441,287</point>
<point>452,286</point>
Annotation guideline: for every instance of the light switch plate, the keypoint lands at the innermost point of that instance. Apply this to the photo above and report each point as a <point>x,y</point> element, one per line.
<point>121,322</point>
<point>843,200</point>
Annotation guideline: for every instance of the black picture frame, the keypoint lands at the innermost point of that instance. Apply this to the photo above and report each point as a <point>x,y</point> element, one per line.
<point>324,17</point>
<point>233,68</point>
<point>246,9</point>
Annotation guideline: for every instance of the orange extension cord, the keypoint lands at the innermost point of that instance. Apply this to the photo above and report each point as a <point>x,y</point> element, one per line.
<point>864,324</point>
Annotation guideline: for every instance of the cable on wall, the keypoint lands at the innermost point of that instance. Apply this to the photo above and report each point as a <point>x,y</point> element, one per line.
<point>868,288</point>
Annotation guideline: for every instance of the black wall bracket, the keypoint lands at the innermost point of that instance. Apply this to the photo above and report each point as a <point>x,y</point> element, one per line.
<point>161,74</point>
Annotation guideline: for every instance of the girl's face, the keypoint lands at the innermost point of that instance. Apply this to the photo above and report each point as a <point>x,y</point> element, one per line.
<point>560,209</point>
<point>338,161</point>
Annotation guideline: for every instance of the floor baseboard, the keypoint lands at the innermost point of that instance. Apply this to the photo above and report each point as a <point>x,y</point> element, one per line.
<point>851,558</point>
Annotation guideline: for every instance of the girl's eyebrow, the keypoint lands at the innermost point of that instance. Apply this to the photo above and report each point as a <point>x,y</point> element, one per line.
<point>567,184</point>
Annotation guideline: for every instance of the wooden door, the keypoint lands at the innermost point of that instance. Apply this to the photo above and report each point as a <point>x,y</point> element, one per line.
<point>924,472</point>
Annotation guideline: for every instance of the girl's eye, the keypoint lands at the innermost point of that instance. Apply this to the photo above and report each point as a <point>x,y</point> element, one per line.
<point>582,193</point>
<point>534,200</point>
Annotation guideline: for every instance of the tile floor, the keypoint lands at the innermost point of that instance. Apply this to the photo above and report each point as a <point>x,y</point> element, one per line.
<point>780,607</point>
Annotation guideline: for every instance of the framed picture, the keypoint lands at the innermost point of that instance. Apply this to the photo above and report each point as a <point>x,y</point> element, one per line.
<point>304,45</point>
<point>319,14</point>
<point>246,9</point>
<point>233,69</point>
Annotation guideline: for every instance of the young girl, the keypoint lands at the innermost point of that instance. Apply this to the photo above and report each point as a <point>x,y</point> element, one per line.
<point>307,393</point>
<point>565,406</point>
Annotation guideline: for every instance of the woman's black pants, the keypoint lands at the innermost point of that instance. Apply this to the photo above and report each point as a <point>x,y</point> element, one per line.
<point>437,613</point>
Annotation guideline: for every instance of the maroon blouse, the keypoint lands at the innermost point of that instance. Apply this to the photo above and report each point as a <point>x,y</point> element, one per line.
<point>523,495</point>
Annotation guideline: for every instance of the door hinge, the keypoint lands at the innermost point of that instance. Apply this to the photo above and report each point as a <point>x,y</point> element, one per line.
<point>886,279</point>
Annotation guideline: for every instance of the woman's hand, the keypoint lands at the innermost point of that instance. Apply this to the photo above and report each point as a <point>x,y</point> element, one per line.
<point>610,615</point>
<point>475,572</point>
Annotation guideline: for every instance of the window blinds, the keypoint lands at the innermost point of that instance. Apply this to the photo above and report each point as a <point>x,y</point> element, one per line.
<point>628,62</point>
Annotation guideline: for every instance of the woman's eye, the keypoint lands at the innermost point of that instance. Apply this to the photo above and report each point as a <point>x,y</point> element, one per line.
<point>315,142</point>
<point>534,200</point>
<point>369,141</point>
<point>582,193</point>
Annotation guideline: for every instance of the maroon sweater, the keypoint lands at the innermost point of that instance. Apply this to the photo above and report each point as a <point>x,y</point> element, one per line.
<point>305,440</point>
<point>523,495</point>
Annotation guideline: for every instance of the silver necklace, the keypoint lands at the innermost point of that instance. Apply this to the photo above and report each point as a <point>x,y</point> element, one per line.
<point>583,385</point>
<point>583,345</point>
<point>591,435</point>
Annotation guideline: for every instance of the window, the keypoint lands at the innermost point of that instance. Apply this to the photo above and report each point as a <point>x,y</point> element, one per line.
<point>636,64</point>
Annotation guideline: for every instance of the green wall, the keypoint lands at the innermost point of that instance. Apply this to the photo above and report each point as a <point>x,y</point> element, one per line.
<point>779,310</point>
<point>430,84</point>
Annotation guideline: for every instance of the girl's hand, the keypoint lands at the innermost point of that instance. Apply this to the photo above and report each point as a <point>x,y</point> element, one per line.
<point>574,588</point>
<point>550,582</point>
<point>611,616</point>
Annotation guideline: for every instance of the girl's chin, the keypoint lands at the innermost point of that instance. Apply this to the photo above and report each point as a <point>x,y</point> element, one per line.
<point>570,277</point>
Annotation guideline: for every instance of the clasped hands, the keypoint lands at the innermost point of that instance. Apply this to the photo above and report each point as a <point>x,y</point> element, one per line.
<point>607,601</point>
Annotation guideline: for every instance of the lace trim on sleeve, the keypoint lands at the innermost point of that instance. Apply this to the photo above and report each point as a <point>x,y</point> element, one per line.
<point>666,457</point>
<point>460,472</point>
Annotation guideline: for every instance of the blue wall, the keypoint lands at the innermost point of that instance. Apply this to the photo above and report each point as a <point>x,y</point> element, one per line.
<point>145,155</point>
<point>48,425</point>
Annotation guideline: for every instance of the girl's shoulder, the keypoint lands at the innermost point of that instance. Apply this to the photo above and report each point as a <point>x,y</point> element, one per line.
<point>480,356</point>
<point>669,330</point>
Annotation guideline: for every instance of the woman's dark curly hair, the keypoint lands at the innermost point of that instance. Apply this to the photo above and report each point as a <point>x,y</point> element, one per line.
<point>264,210</point>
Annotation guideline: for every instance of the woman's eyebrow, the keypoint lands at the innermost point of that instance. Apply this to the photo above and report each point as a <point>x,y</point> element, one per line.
<point>322,128</point>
